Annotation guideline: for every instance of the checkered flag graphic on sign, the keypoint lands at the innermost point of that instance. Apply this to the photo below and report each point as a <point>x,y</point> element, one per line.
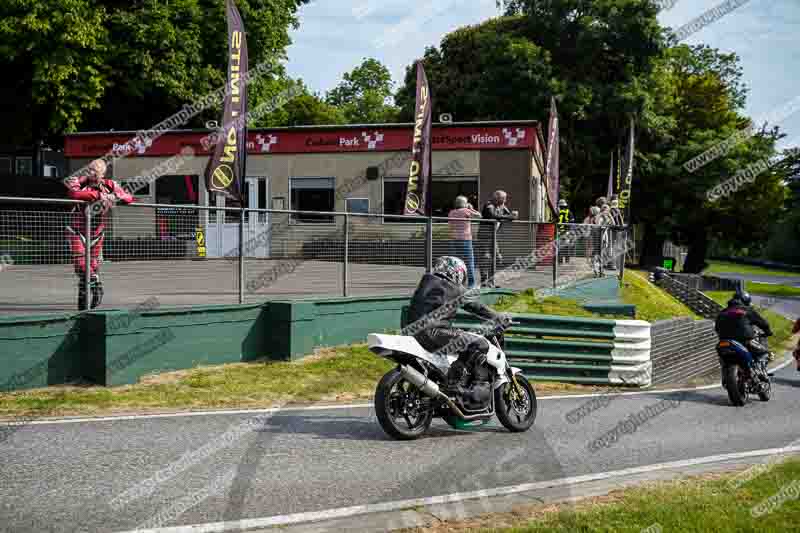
<point>372,140</point>
<point>513,136</point>
<point>266,141</point>
<point>142,146</point>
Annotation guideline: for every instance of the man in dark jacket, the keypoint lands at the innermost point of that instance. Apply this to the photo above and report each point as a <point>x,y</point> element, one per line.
<point>496,210</point>
<point>736,322</point>
<point>433,307</point>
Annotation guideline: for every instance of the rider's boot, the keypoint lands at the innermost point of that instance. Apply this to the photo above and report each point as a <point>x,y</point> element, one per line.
<point>97,290</point>
<point>81,293</point>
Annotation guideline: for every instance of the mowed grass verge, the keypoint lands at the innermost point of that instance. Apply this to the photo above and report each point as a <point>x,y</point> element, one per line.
<point>652,303</point>
<point>703,504</point>
<point>332,374</point>
<point>723,267</point>
<point>767,289</point>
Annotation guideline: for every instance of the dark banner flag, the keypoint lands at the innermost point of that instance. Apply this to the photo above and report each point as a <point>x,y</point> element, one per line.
<point>619,170</point>
<point>625,192</point>
<point>610,189</point>
<point>226,168</point>
<point>418,192</point>
<point>552,158</point>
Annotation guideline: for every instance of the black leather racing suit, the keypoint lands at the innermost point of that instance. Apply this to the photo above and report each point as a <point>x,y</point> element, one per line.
<point>736,322</point>
<point>434,306</point>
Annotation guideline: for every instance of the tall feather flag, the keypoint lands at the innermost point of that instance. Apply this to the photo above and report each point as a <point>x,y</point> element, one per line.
<point>625,192</point>
<point>610,189</point>
<point>418,191</point>
<point>227,166</point>
<point>553,158</point>
<point>619,170</point>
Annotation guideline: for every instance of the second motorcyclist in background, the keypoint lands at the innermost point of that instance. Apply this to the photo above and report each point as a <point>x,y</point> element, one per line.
<point>736,322</point>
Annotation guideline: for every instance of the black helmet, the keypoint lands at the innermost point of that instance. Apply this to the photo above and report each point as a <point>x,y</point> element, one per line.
<point>745,298</point>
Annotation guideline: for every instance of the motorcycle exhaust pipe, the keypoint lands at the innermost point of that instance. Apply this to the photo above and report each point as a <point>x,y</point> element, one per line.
<point>428,387</point>
<point>431,389</point>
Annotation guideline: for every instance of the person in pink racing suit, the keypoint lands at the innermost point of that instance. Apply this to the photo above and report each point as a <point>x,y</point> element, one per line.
<point>100,194</point>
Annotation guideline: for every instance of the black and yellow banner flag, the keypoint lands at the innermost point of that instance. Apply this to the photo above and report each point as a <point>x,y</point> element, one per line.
<point>226,168</point>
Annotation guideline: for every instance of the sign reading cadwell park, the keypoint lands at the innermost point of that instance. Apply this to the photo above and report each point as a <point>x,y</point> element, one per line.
<point>418,190</point>
<point>226,167</point>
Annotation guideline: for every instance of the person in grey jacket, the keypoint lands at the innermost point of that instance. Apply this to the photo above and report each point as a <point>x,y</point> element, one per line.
<point>496,209</point>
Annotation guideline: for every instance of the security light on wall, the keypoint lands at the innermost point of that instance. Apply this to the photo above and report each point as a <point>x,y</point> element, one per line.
<point>446,118</point>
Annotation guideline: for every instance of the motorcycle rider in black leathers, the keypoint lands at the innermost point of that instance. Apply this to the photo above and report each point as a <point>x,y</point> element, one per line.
<point>736,322</point>
<point>433,307</point>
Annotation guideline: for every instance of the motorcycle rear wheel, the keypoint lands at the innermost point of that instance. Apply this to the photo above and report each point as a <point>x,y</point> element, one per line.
<point>736,385</point>
<point>393,390</point>
<point>516,414</point>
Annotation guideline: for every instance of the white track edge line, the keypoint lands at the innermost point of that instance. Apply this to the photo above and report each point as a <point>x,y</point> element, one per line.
<point>343,512</point>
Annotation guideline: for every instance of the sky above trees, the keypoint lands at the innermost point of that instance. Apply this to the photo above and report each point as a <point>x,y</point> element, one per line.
<point>334,37</point>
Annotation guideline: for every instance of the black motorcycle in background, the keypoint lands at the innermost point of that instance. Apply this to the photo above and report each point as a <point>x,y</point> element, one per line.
<point>735,359</point>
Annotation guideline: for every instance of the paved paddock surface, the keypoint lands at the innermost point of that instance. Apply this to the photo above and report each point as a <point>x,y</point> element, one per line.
<point>35,289</point>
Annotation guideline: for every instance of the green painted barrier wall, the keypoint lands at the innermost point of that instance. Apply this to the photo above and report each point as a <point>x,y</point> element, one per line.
<point>117,347</point>
<point>299,326</point>
<point>173,339</point>
<point>37,351</point>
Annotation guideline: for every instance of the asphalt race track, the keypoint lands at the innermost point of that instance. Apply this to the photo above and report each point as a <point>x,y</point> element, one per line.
<point>65,476</point>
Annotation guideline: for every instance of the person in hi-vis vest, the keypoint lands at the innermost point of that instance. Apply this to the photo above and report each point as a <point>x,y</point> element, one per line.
<point>564,217</point>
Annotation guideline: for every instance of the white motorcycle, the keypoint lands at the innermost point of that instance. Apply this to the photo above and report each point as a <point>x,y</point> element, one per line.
<point>411,395</point>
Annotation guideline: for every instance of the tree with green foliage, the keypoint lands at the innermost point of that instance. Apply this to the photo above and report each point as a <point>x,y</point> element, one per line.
<point>54,55</point>
<point>695,103</point>
<point>102,64</point>
<point>606,61</point>
<point>365,94</point>
<point>306,109</point>
<point>593,56</point>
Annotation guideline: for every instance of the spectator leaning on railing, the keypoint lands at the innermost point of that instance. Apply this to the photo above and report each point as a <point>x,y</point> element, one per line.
<point>100,194</point>
<point>594,213</point>
<point>495,209</point>
<point>461,235</point>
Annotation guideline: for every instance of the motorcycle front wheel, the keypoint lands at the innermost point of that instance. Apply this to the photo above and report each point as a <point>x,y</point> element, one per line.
<point>517,413</point>
<point>765,392</point>
<point>402,410</point>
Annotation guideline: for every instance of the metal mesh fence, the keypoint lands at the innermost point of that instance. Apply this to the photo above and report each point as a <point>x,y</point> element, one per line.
<point>587,251</point>
<point>302,259</point>
<point>387,255</point>
<point>190,255</point>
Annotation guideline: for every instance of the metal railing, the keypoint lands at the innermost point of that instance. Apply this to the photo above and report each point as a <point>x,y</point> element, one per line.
<point>191,255</point>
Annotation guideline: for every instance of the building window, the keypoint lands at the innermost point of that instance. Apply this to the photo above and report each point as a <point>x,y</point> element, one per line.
<point>5,166</point>
<point>312,194</point>
<point>443,195</point>
<point>174,223</point>
<point>357,205</point>
<point>136,188</point>
<point>24,166</point>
